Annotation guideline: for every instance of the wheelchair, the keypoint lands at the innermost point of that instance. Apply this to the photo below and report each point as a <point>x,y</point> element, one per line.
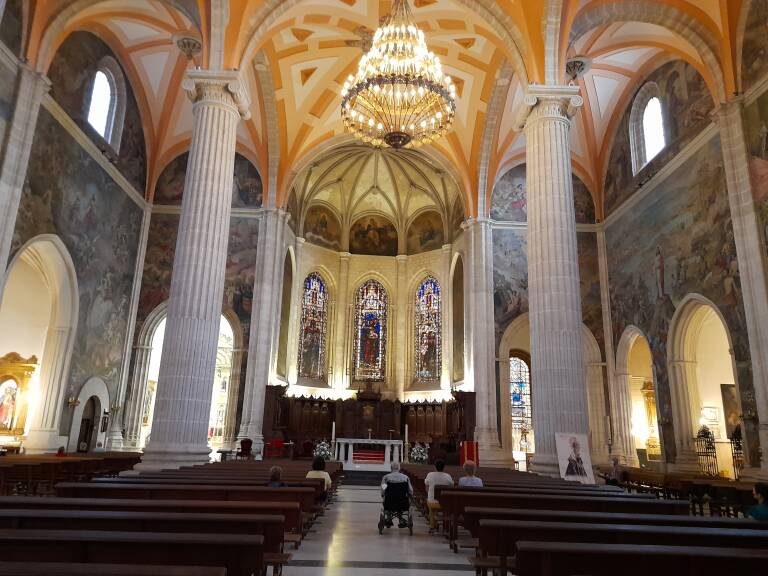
<point>396,504</point>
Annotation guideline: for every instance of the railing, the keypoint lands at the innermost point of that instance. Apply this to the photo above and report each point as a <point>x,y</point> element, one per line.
<point>707,455</point>
<point>737,453</point>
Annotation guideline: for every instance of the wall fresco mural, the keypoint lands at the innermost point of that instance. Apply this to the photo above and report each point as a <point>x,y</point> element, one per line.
<point>686,104</point>
<point>321,227</point>
<point>158,264</point>
<point>510,277</point>
<point>509,201</point>
<point>756,123</point>
<point>677,241</point>
<point>71,73</point>
<point>374,235</point>
<point>246,183</point>
<point>589,280</point>
<point>11,26</point>
<point>241,265</point>
<point>425,233</point>
<point>7,99</point>
<point>754,55</point>
<point>68,194</point>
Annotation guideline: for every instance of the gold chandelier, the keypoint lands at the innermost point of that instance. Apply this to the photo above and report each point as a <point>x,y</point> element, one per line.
<point>399,96</point>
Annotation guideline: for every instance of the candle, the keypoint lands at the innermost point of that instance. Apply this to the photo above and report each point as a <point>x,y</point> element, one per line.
<point>406,434</point>
<point>333,432</point>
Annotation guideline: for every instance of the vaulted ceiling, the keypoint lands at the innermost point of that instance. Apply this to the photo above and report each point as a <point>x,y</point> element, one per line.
<point>295,55</point>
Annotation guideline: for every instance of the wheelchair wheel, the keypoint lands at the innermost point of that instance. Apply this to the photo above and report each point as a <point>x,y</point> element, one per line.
<point>410,524</point>
<point>381,525</point>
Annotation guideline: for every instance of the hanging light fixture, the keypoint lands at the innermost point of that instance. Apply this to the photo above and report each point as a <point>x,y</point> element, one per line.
<point>399,96</point>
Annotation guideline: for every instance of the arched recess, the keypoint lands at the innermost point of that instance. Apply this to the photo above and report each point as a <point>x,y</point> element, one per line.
<point>637,142</point>
<point>516,342</point>
<point>47,258</point>
<point>285,316</point>
<point>88,427</point>
<point>702,379</point>
<point>113,130</point>
<point>634,404</point>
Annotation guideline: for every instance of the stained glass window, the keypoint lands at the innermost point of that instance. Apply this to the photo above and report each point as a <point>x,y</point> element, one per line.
<point>520,393</point>
<point>427,331</point>
<point>314,323</point>
<point>370,332</point>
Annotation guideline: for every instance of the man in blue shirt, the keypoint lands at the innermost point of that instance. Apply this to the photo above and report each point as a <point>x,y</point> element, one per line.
<point>470,480</point>
<point>760,511</point>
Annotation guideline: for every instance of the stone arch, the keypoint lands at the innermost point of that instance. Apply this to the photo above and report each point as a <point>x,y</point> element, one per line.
<point>457,319</point>
<point>621,400</point>
<point>665,15</point>
<point>93,388</point>
<point>287,283</point>
<point>48,255</point>
<point>684,331</point>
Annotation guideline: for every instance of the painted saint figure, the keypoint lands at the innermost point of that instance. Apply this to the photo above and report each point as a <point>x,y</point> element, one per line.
<point>314,314</point>
<point>427,330</point>
<point>7,404</point>
<point>370,332</point>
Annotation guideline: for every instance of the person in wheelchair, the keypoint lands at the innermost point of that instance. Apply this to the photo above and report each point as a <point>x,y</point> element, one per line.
<point>396,491</point>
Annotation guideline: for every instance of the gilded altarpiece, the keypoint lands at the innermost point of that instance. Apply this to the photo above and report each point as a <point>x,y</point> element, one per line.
<point>15,375</point>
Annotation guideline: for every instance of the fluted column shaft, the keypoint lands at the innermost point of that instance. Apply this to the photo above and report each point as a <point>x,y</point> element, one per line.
<point>752,263</point>
<point>621,419</point>
<point>446,311</point>
<point>13,167</point>
<point>188,364</point>
<point>135,404</point>
<point>264,321</point>
<point>401,338</point>
<point>481,344</point>
<point>557,363</point>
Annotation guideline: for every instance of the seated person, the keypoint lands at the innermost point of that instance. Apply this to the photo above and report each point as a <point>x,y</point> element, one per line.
<point>318,471</point>
<point>275,477</point>
<point>396,477</point>
<point>760,511</point>
<point>435,478</point>
<point>470,480</point>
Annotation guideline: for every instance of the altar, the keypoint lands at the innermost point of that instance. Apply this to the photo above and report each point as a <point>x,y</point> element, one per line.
<point>368,454</point>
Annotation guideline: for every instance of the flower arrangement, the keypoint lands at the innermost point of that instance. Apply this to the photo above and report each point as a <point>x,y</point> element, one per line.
<point>322,449</point>
<point>420,454</point>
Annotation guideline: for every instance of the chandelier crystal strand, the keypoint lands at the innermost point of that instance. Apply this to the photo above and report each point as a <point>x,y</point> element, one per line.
<point>399,96</point>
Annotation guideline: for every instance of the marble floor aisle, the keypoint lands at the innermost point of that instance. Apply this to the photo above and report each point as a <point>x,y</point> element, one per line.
<point>347,543</point>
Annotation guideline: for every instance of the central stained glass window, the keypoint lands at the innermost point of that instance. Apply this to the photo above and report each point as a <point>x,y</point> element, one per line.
<point>314,323</point>
<point>370,332</point>
<point>427,332</point>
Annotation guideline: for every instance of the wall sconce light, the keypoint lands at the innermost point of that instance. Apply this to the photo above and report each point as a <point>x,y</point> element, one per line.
<point>115,408</point>
<point>749,415</point>
<point>665,420</point>
<point>72,402</point>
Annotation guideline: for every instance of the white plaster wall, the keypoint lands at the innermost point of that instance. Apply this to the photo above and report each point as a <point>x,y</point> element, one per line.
<point>25,312</point>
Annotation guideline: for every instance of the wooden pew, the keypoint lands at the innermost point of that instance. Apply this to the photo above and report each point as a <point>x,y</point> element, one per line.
<point>240,555</point>
<point>76,569</point>
<point>453,503</point>
<point>563,558</point>
<point>499,538</point>
<point>473,515</point>
<point>290,511</point>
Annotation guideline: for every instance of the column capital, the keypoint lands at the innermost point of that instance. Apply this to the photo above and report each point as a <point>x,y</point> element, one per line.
<point>401,258</point>
<point>30,72</point>
<point>473,221</point>
<point>559,102</point>
<point>723,112</point>
<point>223,87</point>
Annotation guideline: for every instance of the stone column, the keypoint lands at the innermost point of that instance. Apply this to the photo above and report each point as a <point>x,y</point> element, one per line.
<point>401,328</point>
<point>446,311</point>
<point>187,368</point>
<point>621,419</point>
<point>752,263</point>
<point>685,403</point>
<point>553,273</point>
<point>480,292</point>
<point>135,404</point>
<point>233,392</point>
<point>13,167</point>
<point>264,318</point>
<point>340,356</point>
<point>117,411</point>
<point>598,425</point>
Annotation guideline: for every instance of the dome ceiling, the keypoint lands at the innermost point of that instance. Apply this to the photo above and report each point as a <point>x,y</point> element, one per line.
<point>362,186</point>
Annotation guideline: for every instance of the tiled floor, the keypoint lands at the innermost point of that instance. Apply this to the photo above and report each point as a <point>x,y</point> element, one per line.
<point>347,543</point>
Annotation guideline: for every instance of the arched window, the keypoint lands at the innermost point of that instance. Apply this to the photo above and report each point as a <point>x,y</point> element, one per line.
<point>370,344</point>
<point>428,323</point>
<point>647,133</point>
<point>314,325</point>
<point>520,398</point>
<point>105,110</point>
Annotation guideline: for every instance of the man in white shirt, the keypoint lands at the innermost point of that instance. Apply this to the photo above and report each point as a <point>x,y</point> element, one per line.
<point>435,478</point>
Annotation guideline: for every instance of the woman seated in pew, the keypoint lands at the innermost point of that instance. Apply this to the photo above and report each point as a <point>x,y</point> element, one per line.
<point>318,471</point>
<point>760,511</point>
<point>275,477</point>
<point>470,480</point>
<point>435,478</point>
